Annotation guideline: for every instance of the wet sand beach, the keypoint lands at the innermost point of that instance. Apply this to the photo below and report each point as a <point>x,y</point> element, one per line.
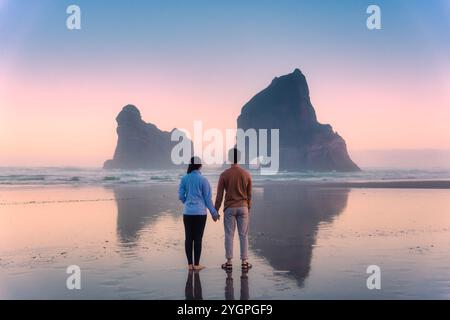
<point>307,241</point>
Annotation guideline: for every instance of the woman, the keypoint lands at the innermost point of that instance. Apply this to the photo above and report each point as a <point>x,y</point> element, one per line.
<point>195,193</point>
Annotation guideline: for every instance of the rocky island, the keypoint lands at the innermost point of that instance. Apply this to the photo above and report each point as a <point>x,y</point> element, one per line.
<point>140,145</point>
<point>305,144</point>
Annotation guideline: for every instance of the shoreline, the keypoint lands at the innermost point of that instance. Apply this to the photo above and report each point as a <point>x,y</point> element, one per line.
<point>391,184</point>
<point>400,184</point>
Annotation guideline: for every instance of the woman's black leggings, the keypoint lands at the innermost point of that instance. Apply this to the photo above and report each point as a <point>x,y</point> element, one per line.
<point>194,225</point>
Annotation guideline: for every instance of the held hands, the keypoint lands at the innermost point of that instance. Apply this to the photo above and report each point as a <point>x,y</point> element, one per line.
<point>216,217</point>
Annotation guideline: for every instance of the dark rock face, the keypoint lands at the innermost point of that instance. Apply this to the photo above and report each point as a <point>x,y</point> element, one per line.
<point>305,144</point>
<point>140,145</point>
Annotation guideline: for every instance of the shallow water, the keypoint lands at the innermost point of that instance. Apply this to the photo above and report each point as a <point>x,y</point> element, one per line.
<point>72,176</point>
<point>306,242</point>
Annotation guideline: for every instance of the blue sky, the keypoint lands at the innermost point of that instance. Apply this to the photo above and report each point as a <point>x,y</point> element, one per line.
<point>202,32</point>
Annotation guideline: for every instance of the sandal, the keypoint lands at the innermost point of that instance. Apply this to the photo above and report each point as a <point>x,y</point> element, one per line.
<point>246,266</point>
<point>227,266</point>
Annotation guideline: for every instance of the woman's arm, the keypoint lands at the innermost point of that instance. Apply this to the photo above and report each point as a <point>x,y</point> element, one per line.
<point>182,191</point>
<point>207,196</point>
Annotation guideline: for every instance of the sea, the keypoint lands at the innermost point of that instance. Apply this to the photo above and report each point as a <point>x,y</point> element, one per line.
<point>83,176</point>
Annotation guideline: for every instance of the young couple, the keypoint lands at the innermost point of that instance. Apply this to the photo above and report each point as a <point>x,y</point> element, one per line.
<point>195,193</point>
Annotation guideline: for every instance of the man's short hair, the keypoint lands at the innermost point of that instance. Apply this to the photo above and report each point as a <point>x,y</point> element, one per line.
<point>234,155</point>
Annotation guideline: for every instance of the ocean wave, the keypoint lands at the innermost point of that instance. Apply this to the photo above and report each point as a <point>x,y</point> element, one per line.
<point>111,178</point>
<point>79,176</point>
<point>14,177</point>
<point>162,178</point>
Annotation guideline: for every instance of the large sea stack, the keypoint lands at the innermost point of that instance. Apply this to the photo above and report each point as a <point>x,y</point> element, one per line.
<point>140,145</point>
<point>305,144</point>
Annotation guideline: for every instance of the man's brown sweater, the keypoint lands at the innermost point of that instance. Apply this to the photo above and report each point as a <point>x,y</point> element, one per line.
<point>237,183</point>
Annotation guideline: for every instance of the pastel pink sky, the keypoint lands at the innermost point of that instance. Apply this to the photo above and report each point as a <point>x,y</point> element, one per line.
<point>60,120</point>
<point>60,91</point>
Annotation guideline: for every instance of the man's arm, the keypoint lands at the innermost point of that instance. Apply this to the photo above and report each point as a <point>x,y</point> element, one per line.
<point>249,192</point>
<point>219,196</point>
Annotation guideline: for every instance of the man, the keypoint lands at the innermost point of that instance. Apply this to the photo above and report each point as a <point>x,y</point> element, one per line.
<point>237,183</point>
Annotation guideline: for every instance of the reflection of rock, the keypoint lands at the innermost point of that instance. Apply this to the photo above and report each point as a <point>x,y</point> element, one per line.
<point>140,145</point>
<point>138,206</point>
<point>305,144</point>
<point>284,222</point>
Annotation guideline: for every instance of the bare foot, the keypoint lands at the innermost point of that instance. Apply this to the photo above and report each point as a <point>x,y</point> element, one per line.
<point>199,267</point>
<point>190,267</point>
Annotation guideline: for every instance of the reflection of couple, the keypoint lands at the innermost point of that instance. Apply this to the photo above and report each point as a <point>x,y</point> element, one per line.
<point>193,289</point>
<point>195,193</point>
<point>229,288</point>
